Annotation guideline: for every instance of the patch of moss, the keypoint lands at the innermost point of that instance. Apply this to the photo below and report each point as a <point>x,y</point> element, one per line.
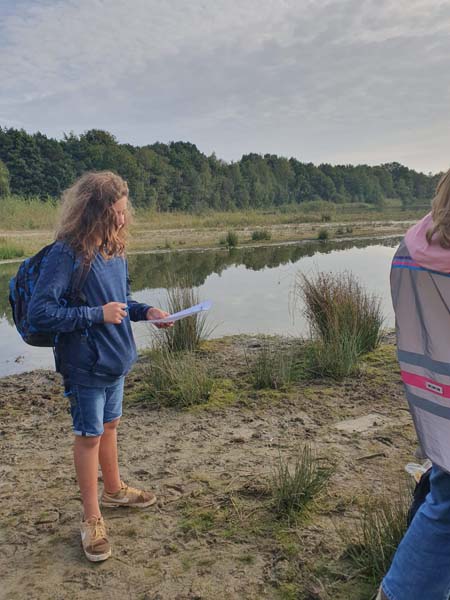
<point>383,355</point>
<point>186,563</point>
<point>288,591</point>
<point>328,391</point>
<point>135,395</point>
<point>200,521</point>
<point>215,345</point>
<point>223,394</point>
<point>309,393</point>
<point>206,562</point>
<point>269,396</point>
<point>147,517</point>
<point>247,559</point>
<point>288,544</point>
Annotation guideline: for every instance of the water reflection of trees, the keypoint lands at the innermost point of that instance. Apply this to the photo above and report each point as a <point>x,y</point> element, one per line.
<point>155,270</point>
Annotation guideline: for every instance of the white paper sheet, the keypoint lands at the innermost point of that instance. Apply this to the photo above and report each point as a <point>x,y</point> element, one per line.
<point>182,314</point>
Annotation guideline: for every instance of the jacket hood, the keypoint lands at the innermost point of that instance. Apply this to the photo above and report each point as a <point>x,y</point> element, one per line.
<point>431,256</point>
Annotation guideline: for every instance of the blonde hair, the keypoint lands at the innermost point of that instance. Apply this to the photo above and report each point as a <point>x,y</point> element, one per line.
<point>440,213</point>
<point>87,218</point>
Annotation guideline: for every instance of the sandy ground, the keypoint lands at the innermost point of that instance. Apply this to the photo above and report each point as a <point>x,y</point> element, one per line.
<point>213,534</point>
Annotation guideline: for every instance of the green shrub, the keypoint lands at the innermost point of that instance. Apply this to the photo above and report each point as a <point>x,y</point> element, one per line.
<point>323,235</point>
<point>325,218</point>
<point>176,380</point>
<point>261,234</point>
<point>293,488</point>
<point>231,239</point>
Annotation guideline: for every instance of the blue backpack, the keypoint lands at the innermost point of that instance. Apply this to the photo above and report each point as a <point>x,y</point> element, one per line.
<point>21,290</point>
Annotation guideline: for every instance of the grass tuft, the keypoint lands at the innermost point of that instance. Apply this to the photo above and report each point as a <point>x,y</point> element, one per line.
<point>377,534</point>
<point>337,358</point>
<point>294,487</point>
<point>260,235</point>
<point>272,366</point>
<point>345,322</point>
<point>179,380</point>
<point>186,334</point>
<point>231,239</point>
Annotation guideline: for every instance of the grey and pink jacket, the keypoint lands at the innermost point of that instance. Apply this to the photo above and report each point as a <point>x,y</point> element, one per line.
<point>420,287</point>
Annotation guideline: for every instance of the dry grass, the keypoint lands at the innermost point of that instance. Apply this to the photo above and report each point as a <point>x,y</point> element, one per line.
<point>17,213</point>
<point>9,249</point>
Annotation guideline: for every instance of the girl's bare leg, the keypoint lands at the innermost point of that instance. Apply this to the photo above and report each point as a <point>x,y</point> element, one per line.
<point>85,453</point>
<point>108,457</point>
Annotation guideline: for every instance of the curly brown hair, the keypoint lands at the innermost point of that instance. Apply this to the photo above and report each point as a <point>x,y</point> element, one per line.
<point>88,221</point>
<point>440,213</point>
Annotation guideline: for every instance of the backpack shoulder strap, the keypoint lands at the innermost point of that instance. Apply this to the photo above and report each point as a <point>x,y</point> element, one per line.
<point>79,276</point>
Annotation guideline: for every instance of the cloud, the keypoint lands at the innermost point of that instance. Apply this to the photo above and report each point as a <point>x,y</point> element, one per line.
<point>321,80</point>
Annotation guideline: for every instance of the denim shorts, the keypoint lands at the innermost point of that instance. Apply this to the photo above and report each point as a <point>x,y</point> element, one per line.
<point>420,569</point>
<point>91,407</point>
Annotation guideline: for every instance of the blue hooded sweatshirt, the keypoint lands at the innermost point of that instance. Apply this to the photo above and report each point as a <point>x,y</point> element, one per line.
<point>88,351</point>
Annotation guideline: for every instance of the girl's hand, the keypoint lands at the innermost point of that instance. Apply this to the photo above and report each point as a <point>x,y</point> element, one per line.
<point>114,312</point>
<point>157,313</point>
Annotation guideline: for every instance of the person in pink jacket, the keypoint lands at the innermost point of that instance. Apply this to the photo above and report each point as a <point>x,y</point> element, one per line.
<point>420,286</point>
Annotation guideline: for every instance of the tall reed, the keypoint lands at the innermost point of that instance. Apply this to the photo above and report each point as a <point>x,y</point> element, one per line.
<point>345,321</point>
<point>188,333</point>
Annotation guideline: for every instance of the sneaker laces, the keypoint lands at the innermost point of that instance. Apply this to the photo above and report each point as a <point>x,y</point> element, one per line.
<point>130,490</point>
<point>98,529</point>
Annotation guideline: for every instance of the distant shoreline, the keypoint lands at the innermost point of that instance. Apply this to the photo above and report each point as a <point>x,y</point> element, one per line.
<point>186,232</point>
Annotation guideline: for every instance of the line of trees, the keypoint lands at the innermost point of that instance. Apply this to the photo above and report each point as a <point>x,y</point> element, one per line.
<point>177,176</point>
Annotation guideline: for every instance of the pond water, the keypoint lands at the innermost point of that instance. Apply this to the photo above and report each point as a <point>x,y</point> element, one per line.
<point>252,289</point>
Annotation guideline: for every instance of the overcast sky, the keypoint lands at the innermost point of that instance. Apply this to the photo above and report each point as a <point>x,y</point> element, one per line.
<point>340,81</point>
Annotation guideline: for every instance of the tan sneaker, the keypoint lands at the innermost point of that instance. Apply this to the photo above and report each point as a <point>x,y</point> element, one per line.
<point>94,539</point>
<point>128,496</point>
